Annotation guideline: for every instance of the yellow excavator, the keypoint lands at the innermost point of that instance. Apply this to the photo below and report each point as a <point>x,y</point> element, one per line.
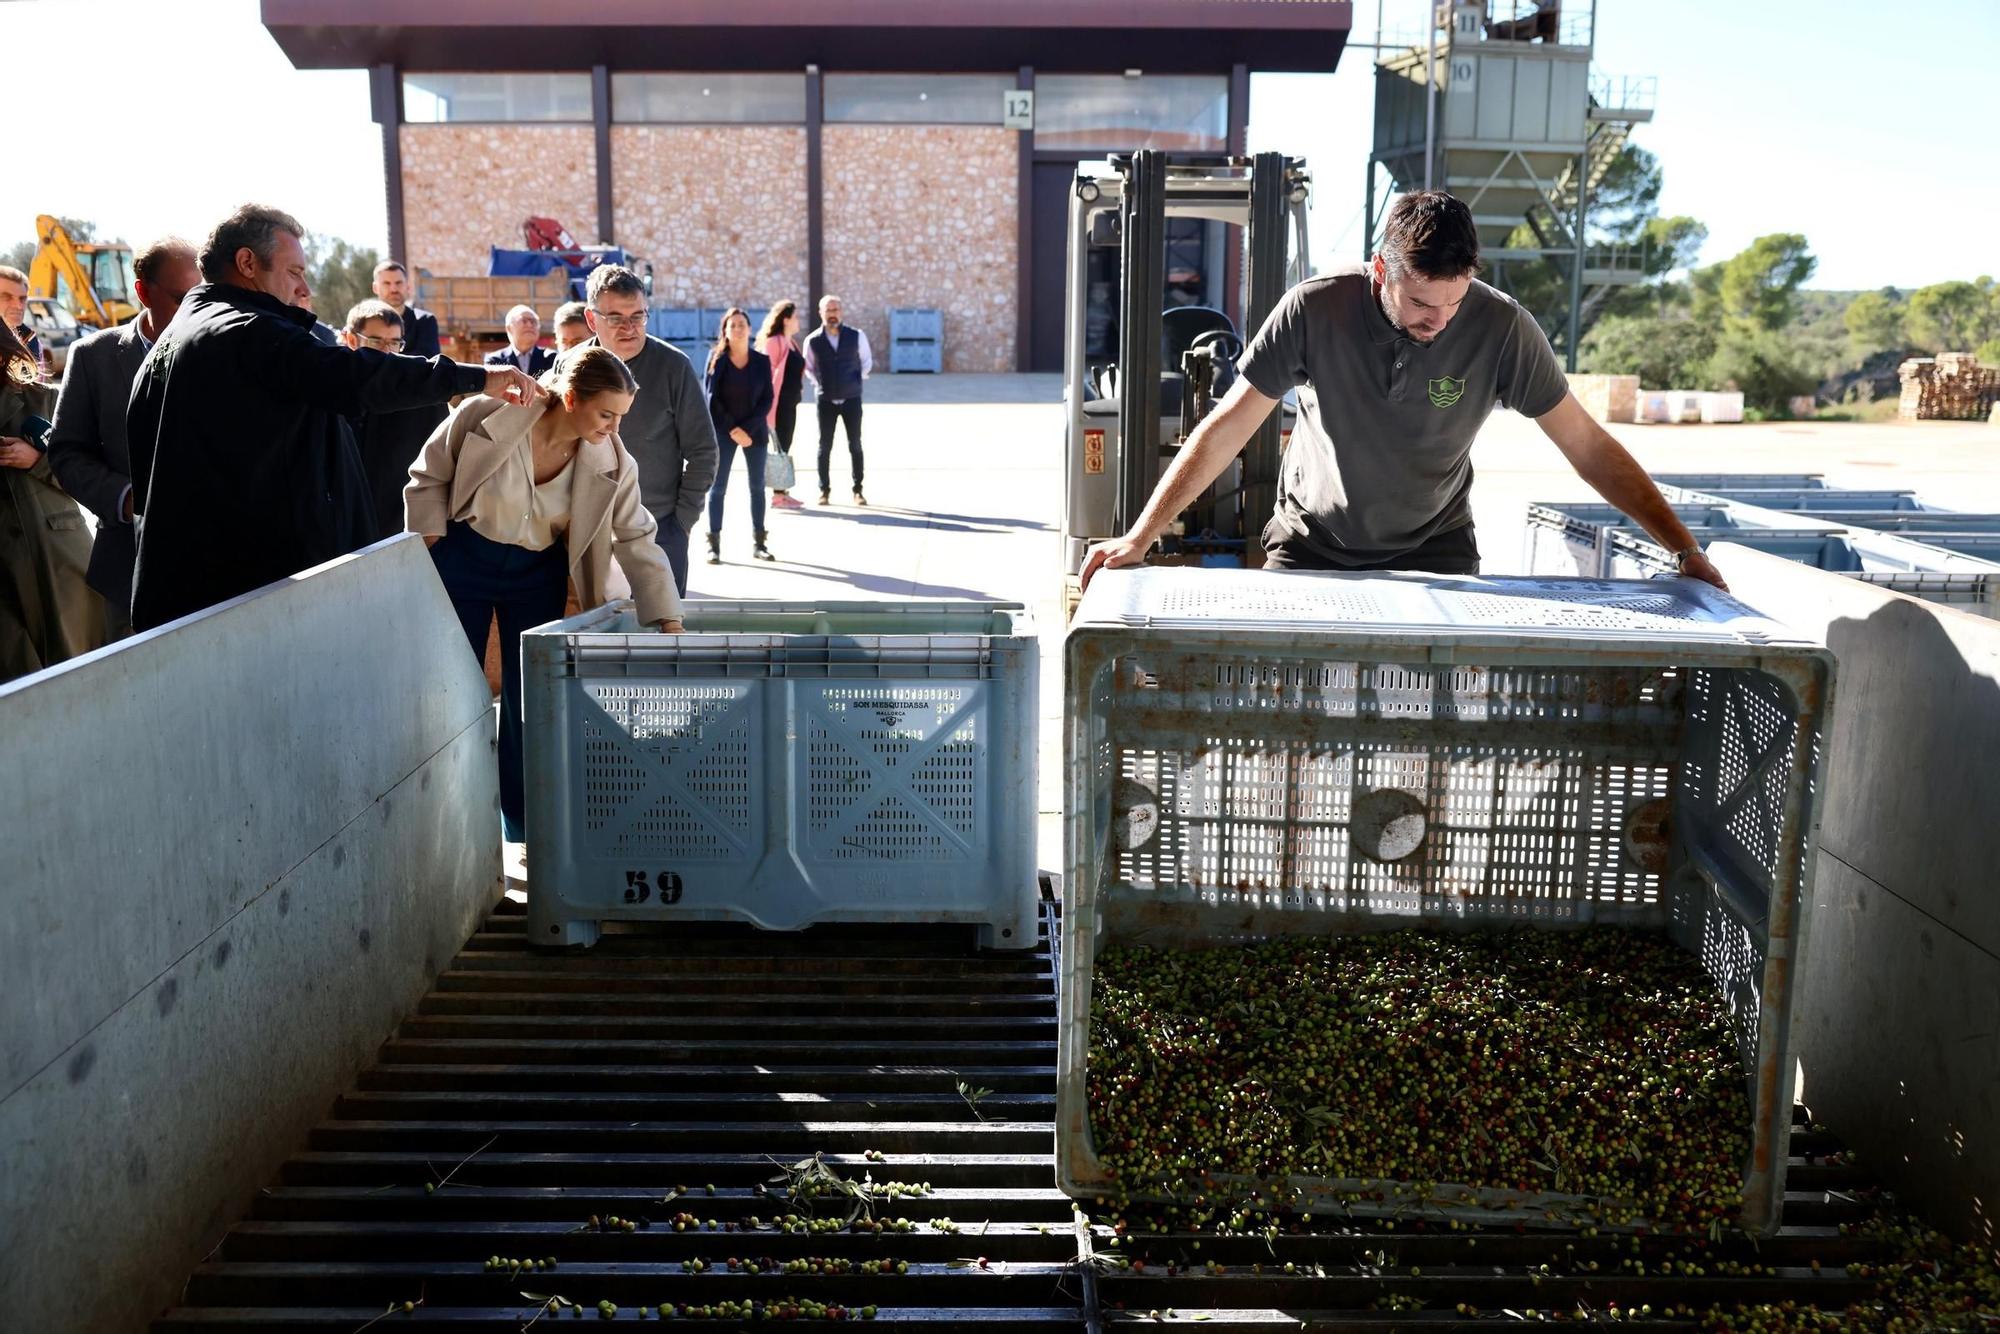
<point>92,281</point>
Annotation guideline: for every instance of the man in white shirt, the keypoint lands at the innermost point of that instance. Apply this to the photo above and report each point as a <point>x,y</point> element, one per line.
<point>523,350</point>
<point>838,360</point>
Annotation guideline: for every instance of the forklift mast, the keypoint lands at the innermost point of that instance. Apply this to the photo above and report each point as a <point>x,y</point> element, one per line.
<point>1273,185</point>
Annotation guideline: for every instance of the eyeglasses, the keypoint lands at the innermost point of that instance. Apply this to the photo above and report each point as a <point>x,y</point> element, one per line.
<point>620,321</point>
<point>383,344</point>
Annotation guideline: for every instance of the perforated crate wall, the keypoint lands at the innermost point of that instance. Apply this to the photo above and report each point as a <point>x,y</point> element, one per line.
<point>1638,753</point>
<point>784,778</point>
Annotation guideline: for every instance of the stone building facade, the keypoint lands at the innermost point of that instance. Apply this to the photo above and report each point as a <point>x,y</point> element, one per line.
<point>893,152</point>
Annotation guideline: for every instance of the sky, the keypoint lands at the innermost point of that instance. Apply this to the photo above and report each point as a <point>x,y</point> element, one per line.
<point>1870,128</point>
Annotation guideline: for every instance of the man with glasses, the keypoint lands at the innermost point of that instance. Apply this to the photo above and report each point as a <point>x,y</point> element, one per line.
<point>88,451</point>
<point>389,441</point>
<point>668,431</point>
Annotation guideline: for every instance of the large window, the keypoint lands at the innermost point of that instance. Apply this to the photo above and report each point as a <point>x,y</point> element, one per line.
<point>1187,113</point>
<point>429,98</point>
<point>921,99</point>
<point>708,99</point>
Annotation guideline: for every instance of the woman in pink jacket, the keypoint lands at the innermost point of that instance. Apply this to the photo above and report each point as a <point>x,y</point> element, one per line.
<point>779,342</point>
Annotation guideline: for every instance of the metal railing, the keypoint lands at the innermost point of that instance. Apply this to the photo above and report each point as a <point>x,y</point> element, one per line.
<point>1624,92</point>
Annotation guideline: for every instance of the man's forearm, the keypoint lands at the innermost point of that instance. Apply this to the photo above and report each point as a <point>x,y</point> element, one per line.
<point>1614,474</point>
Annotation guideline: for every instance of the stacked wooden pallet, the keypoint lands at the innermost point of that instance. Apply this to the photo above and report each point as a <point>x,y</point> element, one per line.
<point>1951,386</point>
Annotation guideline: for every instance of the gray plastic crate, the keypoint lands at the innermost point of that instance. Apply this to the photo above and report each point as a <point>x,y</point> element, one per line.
<point>916,340</point>
<point>1708,481</point>
<point>783,764</point>
<point>1222,729</point>
<point>1964,575</point>
<point>1571,539</point>
<point>1796,501</point>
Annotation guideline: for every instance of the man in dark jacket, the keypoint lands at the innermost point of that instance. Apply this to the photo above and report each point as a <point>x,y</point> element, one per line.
<point>524,349</point>
<point>244,471</point>
<point>87,449</point>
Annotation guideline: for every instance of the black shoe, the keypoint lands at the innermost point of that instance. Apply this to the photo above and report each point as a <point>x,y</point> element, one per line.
<point>826,497</point>
<point>715,548</point>
<point>760,551</point>
<point>860,499</point>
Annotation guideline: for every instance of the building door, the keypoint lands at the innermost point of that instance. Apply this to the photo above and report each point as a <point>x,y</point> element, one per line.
<point>1048,253</point>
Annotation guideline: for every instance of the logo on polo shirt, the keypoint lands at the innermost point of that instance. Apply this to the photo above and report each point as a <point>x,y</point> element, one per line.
<point>1445,391</point>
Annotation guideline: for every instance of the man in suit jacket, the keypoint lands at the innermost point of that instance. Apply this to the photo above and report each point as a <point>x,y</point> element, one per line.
<point>523,350</point>
<point>87,449</point>
<point>420,327</point>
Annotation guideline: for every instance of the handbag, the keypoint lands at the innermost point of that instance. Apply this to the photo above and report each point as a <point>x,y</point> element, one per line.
<point>779,474</point>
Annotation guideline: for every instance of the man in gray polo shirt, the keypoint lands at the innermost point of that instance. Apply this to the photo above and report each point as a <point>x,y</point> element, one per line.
<point>1397,365</point>
<point>668,431</point>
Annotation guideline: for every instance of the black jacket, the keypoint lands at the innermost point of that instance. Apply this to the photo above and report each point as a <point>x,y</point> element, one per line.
<point>420,333</point>
<point>539,359</point>
<point>244,470</point>
<point>740,398</point>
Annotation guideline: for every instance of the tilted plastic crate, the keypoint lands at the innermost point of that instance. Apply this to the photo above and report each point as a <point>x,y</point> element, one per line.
<point>1579,752</point>
<point>783,764</point>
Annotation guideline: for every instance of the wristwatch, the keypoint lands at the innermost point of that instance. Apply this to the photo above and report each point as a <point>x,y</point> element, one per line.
<point>1684,555</point>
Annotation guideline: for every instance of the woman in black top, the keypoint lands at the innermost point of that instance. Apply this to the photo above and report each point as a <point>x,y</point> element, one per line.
<point>779,341</point>
<point>739,403</point>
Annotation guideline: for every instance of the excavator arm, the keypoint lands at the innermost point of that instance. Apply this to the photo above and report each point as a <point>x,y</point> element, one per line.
<point>56,265</point>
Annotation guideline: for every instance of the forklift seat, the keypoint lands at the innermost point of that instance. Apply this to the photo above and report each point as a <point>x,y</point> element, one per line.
<point>1179,327</point>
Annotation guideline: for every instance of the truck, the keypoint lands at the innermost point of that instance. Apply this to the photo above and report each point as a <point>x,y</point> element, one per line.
<point>90,279</point>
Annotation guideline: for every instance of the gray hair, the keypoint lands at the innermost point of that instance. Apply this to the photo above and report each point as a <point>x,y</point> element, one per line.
<point>519,311</point>
<point>828,297</point>
<point>255,226</point>
<point>616,279</point>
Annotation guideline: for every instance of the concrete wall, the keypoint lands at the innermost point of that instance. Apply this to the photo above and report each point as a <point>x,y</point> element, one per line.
<point>720,210</point>
<point>469,187</point>
<point>926,215</point>
<point>236,851</point>
<point>1899,1027</point>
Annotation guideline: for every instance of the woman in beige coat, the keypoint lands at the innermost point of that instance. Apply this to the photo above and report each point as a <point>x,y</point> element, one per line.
<point>48,614</point>
<point>516,500</point>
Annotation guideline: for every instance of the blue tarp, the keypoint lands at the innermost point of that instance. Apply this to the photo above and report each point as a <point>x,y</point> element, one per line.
<point>536,263</point>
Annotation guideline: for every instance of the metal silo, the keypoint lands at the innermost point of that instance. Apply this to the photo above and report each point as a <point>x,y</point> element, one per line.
<point>1497,103</point>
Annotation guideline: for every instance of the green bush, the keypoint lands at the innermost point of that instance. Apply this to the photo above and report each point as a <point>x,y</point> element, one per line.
<point>1766,366</point>
<point>1664,353</point>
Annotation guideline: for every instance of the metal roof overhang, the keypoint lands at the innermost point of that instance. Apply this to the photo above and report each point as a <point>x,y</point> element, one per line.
<point>1158,36</point>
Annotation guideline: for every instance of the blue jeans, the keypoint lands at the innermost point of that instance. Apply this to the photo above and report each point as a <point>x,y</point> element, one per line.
<point>673,540</point>
<point>753,459</point>
<point>525,589</point>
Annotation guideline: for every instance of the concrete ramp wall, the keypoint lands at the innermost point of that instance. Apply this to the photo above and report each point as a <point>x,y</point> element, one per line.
<point>233,853</point>
<point>1899,1023</point>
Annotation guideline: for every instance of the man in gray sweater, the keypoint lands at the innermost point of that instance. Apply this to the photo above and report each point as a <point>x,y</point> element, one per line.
<point>668,431</point>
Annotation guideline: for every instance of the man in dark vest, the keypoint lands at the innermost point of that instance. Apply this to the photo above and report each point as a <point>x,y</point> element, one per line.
<point>838,360</point>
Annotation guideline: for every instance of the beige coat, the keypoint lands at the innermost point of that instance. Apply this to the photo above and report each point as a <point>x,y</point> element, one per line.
<point>468,451</point>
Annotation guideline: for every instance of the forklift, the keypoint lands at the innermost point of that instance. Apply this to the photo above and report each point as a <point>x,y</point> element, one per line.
<point>1173,364</point>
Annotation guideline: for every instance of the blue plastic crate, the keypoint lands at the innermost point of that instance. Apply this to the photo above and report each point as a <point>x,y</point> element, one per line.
<point>1711,481</point>
<point>1796,501</point>
<point>674,326</point>
<point>784,764</point>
